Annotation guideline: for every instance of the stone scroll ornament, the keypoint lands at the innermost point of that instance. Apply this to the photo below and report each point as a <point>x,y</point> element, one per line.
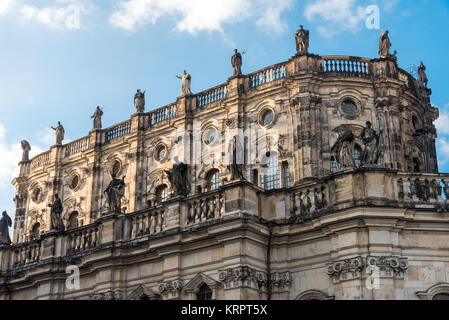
<point>97,118</point>
<point>59,133</point>
<point>5,223</point>
<point>178,179</point>
<point>56,222</point>
<point>343,148</point>
<point>302,40</point>
<point>115,191</point>
<point>139,101</point>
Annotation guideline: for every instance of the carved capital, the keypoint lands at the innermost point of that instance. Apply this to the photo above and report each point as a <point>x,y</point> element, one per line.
<point>243,276</point>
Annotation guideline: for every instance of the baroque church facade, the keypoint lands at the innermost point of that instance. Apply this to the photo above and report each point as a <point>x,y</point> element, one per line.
<point>315,178</point>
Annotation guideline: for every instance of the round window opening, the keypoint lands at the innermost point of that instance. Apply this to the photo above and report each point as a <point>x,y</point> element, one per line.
<point>349,108</point>
<point>75,181</point>
<point>267,118</point>
<point>161,153</point>
<point>210,136</point>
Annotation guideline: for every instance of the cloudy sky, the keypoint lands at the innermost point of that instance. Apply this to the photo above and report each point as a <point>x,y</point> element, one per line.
<point>59,59</point>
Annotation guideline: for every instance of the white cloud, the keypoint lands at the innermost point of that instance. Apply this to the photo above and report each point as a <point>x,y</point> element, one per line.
<point>200,15</point>
<point>442,122</point>
<point>443,151</point>
<point>46,136</point>
<point>11,155</point>
<point>336,16</point>
<point>5,5</point>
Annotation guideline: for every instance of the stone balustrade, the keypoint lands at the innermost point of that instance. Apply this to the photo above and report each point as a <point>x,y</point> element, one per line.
<point>82,239</point>
<point>146,223</point>
<point>309,200</point>
<point>212,95</point>
<point>267,75</point>
<point>350,66</point>
<point>206,207</point>
<point>40,160</point>
<point>119,130</point>
<point>77,146</point>
<point>25,254</point>
<point>162,114</point>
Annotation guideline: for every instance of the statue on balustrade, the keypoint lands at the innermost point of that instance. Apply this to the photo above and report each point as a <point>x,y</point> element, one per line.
<point>59,133</point>
<point>25,150</point>
<point>422,75</point>
<point>178,179</point>
<point>370,139</point>
<point>139,101</point>
<point>185,84</point>
<point>237,160</point>
<point>97,118</point>
<point>236,62</point>
<point>5,223</point>
<point>55,215</point>
<point>385,46</point>
<point>115,191</point>
<point>302,40</point>
<point>343,150</point>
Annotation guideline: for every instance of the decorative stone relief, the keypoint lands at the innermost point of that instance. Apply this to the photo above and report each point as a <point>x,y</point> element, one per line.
<point>243,276</point>
<point>171,289</point>
<point>109,295</point>
<point>345,270</point>
<point>389,266</point>
<point>281,281</point>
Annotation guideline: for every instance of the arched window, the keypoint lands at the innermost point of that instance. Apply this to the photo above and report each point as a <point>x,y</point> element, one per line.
<point>357,155</point>
<point>415,123</point>
<point>255,177</point>
<point>73,220</point>
<point>213,180</point>
<point>285,175</point>
<point>416,167</point>
<point>334,165</point>
<point>270,180</point>
<point>441,296</point>
<point>204,293</point>
<point>36,232</point>
<point>162,194</point>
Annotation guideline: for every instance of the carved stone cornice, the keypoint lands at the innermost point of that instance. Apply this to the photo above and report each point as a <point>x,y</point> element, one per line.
<point>109,295</point>
<point>243,276</point>
<point>345,270</point>
<point>281,280</point>
<point>389,266</point>
<point>171,289</point>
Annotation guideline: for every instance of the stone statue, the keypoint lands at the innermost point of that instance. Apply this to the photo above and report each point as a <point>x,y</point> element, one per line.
<point>371,141</point>
<point>422,75</point>
<point>26,150</point>
<point>178,179</point>
<point>343,150</point>
<point>115,192</point>
<point>236,165</point>
<point>97,118</point>
<point>236,62</point>
<point>384,45</point>
<point>59,133</point>
<point>302,40</point>
<point>55,215</point>
<point>5,223</point>
<point>139,101</point>
<point>185,85</point>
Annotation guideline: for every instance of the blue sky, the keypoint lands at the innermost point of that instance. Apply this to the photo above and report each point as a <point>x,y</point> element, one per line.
<point>56,67</point>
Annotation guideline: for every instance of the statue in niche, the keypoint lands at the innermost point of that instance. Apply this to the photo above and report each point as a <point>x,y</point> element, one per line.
<point>178,179</point>
<point>139,101</point>
<point>302,40</point>
<point>371,141</point>
<point>422,75</point>
<point>97,118</point>
<point>185,84</point>
<point>25,150</point>
<point>5,223</point>
<point>59,133</point>
<point>237,160</point>
<point>343,150</point>
<point>236,62</point>
<point>115,191</point>
<point>56,222</point>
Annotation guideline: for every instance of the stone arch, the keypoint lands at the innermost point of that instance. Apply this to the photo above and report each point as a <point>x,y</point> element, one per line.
<point>142,292</point>
<point>314,294</point>
<point>441,288</point>
<point>70,205</point>
<point>193,286</point>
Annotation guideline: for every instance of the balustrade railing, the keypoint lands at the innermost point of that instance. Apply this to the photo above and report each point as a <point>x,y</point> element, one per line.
<point>26,253</point>
<point>82,239</point>
<point>212,95</point>
<point>77,146</point>
<point>147,223</point>
<point>310,200</point>
<point>165,113</point>
<point>40,160</point>
<point>206,207</point>
<point>267,75</point>
<point>119,130</point>
<point>346,65</point>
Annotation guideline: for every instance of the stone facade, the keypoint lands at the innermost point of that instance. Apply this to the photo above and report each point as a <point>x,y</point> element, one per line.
<point>297,227</point>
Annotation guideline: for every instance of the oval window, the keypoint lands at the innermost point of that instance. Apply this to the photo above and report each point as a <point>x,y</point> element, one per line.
<point>267,118</point>
<point>161,153</point>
